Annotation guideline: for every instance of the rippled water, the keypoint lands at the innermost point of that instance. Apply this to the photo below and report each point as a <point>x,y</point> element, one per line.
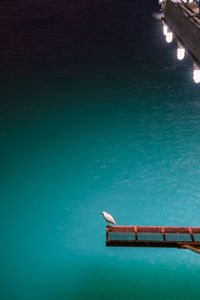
<point>96,114</point>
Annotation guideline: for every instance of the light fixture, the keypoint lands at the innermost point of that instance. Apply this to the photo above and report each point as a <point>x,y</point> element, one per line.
<point>169,37</point>
<point>165,29</point>
<point>180,52</point>
<point>196,74</point>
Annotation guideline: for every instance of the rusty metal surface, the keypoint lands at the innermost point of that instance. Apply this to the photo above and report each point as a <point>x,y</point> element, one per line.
<point>163,230</point>
<point>157,229</point>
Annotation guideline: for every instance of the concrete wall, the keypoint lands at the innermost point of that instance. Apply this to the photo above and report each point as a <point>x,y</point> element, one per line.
<point>184,28</point>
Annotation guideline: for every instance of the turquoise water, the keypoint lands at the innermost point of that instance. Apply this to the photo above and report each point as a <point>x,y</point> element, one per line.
<point>108,124</point>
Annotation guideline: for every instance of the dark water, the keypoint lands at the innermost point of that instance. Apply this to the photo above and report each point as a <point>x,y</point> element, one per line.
<point>96,114</point>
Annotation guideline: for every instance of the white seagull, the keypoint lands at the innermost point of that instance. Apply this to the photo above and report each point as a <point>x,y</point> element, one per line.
<point>108,218</point>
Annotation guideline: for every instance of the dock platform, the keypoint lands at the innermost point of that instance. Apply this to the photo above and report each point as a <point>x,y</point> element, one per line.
<point>153,236</point>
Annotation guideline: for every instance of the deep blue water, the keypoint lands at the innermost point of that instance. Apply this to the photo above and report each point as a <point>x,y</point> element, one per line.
<point>96,114</point>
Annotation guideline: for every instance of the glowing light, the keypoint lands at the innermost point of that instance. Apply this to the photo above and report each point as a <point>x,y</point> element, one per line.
<point>165,29</point>
<point>180,53</point>
<point>169,37</point>
<point>196,75</point>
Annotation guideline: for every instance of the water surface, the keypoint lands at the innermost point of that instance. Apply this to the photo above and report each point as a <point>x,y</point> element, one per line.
<point>96,114</point>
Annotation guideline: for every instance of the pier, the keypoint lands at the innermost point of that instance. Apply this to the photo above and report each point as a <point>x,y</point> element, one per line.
<point>181,20</point>
<point>154,236</point>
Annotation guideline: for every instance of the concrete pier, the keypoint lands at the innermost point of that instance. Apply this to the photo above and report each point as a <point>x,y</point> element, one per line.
<point>183,20</point>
